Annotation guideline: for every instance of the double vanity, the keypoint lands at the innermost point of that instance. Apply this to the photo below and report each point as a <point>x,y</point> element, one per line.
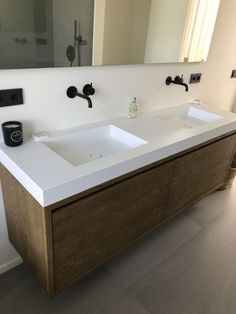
<point>76,197</point>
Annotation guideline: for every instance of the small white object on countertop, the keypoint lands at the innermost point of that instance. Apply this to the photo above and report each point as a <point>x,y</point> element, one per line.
<point>197,102</point>
<point>41,136</point>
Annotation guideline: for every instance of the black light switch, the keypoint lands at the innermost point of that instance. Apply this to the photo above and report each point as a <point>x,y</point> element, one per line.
<point>11,97</point>
<point>195,78</point>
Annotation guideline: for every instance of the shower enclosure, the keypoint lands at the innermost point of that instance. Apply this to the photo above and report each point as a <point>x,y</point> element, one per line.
<point>37,33</point>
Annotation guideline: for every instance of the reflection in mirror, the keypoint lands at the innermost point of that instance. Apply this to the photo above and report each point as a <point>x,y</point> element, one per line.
<point>198,30</point>
<point>61,33</point>
<point>36,33</point>
<point>153,31</point>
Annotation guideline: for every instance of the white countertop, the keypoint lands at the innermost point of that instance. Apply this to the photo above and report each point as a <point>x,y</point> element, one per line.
<point>50,178</point>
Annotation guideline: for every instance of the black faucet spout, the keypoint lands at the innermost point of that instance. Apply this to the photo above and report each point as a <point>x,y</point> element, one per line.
<point>180,81</point>
<point>185,85</point>
<point>90,105</point>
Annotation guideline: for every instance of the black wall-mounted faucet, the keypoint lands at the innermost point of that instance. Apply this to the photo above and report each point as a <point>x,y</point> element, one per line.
<point>88,90</point>
<point>178,81</point>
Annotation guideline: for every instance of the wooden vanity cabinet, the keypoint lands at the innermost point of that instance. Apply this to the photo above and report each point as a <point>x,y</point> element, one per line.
<point>107,221</point>
<point>200,172</point>
<point>65,241</point>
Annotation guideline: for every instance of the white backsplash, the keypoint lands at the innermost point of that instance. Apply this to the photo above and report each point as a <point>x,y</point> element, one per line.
<point>47,106</point>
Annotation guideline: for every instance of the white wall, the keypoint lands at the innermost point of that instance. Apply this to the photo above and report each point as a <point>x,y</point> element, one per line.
<point>98,31</point>
<point>116,32</point>
<point>139,30</point>
<point>122,38</point>
<point>165,31</point>
<point>8,256</point>
<point>46,106</point>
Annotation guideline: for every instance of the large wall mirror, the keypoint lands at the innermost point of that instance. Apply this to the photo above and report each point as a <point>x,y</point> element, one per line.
<point>61,33</point>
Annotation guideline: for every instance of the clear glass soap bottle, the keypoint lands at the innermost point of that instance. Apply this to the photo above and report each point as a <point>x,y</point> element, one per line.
<point>133,109</point>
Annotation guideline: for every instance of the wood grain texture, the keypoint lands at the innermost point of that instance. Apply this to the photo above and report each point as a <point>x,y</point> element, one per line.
<point>27,229</point>
<point>198,173</point>
<point>90,230</point>
<point>234,162</point>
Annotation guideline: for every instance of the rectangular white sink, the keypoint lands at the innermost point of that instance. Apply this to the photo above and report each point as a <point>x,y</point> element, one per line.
<point>188,116</point>
<point>87,145</point>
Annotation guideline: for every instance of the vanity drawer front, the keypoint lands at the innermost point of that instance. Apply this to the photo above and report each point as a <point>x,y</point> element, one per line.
<point>90,230</point>
<point>200,172</point>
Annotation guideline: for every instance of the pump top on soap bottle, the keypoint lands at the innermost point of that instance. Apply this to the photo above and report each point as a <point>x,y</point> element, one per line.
<point>133,109</point>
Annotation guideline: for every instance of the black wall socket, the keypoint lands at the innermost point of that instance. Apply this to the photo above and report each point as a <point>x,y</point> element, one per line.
<point>11,97</point>
<point>195,78</point>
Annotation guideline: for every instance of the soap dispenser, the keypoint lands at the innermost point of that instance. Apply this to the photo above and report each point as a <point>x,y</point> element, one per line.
<point>133,109</point>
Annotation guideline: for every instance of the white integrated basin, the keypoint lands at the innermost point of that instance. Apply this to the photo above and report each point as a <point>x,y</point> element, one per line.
<point>87,145</point>
<point>188,116</point>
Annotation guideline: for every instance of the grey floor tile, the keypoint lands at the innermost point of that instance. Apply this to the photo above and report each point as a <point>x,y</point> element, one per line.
<point>89,296</point>
<point>12,279</point>
<point>140,258</point>
<point>212,206</point>
<point>224,227</point>
<point>199,278</point>
<point>124,304</point>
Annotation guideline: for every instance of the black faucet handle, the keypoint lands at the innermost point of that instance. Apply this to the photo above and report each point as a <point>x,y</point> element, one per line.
<point>169,80</point>
<point>179,79</point>
<point>72,92</point>
<point>88,90</point>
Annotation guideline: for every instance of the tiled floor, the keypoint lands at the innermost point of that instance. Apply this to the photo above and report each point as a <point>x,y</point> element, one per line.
<point>187,266</point>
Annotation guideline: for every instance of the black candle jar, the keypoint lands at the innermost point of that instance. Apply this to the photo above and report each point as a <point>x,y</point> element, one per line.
<point>12,133</point>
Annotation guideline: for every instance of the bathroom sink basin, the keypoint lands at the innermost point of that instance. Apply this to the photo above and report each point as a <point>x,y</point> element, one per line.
<point>87,145</point>
<point>188,116</point>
